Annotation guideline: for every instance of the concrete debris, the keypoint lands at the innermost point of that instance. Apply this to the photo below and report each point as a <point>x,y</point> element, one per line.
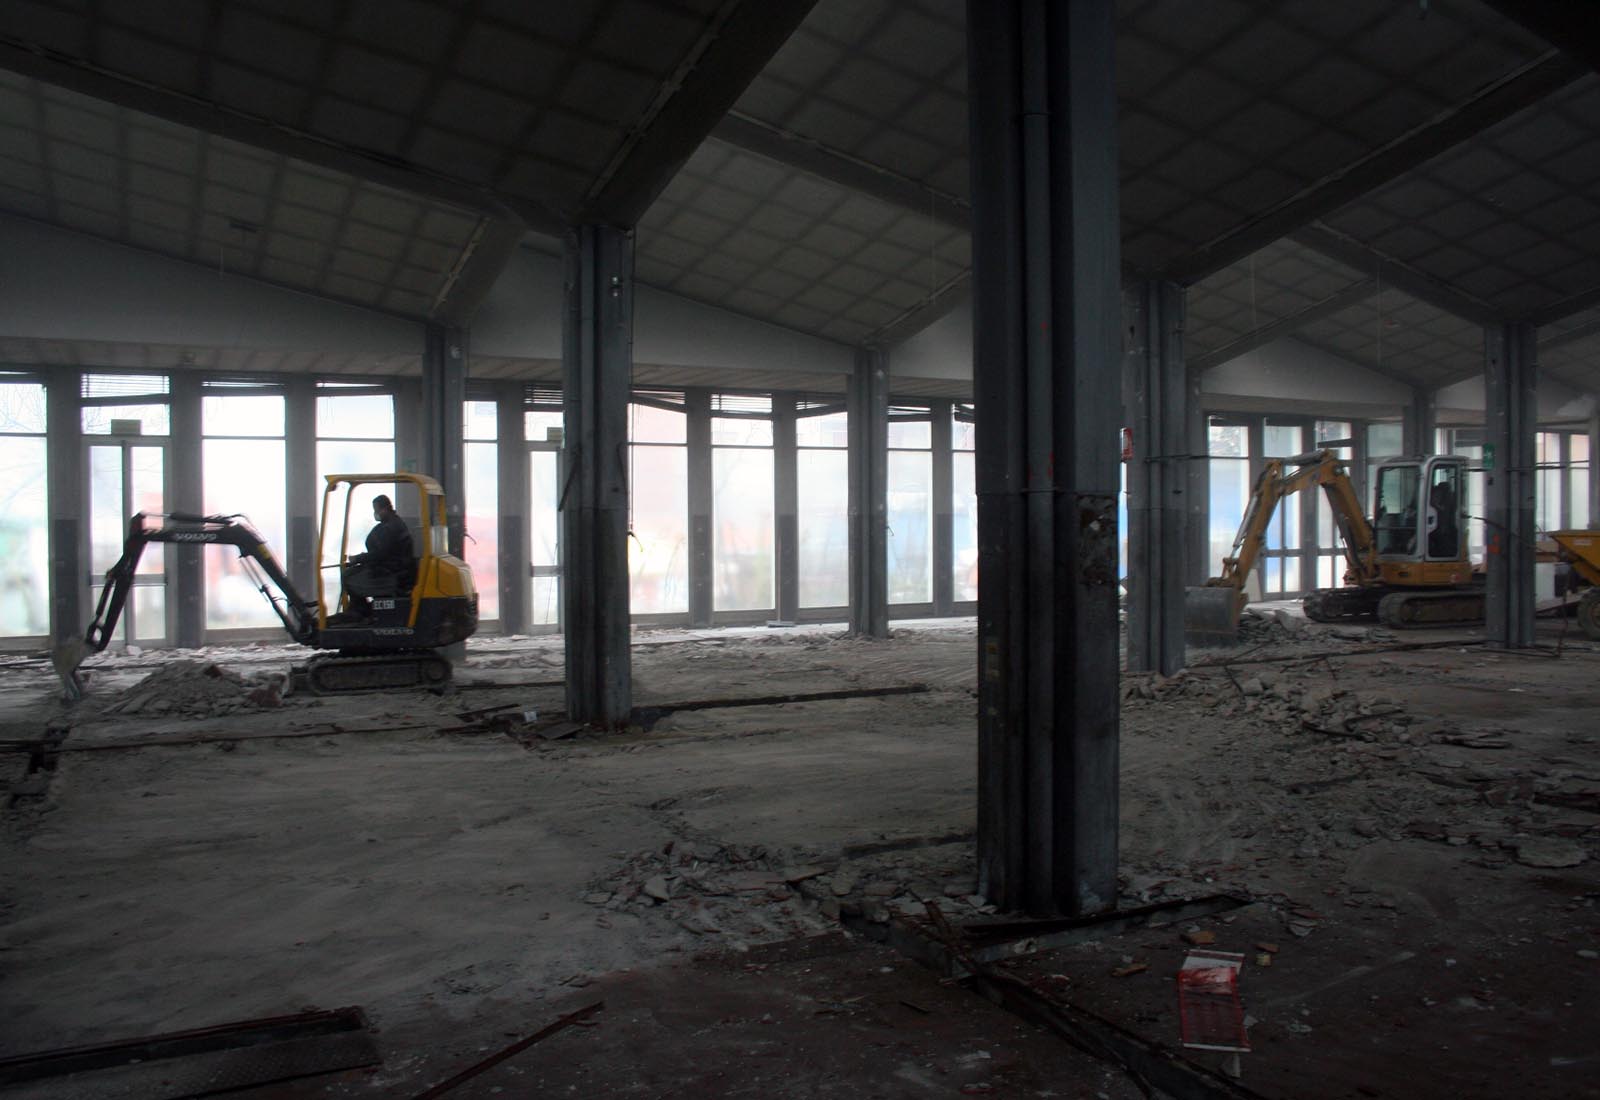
<point>1549,852</point>
<point>198,689</point>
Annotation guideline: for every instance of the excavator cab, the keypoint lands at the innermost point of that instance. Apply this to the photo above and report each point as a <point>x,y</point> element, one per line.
<point>1418,521</point>
<point>432,604</point>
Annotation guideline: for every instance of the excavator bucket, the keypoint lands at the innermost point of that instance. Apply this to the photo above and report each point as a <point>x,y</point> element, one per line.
<point>1211,615</point>
<point>67,657</point>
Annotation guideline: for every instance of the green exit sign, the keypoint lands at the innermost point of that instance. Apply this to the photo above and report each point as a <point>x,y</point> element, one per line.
<point>1488,456</point>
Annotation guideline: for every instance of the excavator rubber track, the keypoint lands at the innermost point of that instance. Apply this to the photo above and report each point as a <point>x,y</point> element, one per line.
<point>337,674</point>
<point>1406,610</point>
<point>1333,605</point>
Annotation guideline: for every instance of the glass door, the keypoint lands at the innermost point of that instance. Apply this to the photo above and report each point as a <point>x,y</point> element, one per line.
<point>127,477</point>
<point>544,537</point>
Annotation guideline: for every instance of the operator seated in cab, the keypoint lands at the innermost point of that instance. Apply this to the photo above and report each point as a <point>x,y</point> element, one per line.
<point>388,568</point>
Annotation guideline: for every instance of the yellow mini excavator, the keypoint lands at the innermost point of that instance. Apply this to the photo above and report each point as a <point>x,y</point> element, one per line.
<point>391,644</point>
<point>1408,565</point>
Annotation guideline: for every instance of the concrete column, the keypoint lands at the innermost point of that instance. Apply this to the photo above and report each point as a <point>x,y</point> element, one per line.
<point>597,366</point>
<point>1156,394</point>
<point>1048,348</point>
<point>1198,566</point>
<point>1422,418</point>
<point>444,390</point>
<point>300,482</point>
<point>1510,482</point>
<point>944,521</point>
<point>786,505</point>
<point>186,592</point>
<point>67,482</point>
<point>868,403</point>
<point>697,428</point>
<point>516,557</point>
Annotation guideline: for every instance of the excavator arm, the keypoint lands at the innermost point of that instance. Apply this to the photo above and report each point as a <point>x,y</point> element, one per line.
<point>299,615</point>
<point>1212,610</point>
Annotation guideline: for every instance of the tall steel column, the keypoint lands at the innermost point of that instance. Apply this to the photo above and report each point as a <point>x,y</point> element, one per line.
<point>187,596</point>
<point>1047,353</point>
<point>786,505</point>
<point>444,392</point>
<point>697,429</point>
<point>1510,482</point>
<point>1421,422</point>
<point>597,367</point>
<point>300,482</point>
<point>511,477</point>
<point>69,506</point>
<point>868,403</point>
<point>1156,396</point>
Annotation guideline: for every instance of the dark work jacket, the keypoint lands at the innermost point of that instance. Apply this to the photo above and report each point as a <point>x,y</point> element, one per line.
<point>389,546</point>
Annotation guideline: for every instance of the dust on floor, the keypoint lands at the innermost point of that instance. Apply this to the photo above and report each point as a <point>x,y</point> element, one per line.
<point>179,870</point>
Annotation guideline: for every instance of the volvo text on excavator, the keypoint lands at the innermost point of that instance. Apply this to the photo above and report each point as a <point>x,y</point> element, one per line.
<point>388,640</point>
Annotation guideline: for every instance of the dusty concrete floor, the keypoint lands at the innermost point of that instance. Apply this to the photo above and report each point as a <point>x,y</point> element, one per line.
<point>1416,830</point>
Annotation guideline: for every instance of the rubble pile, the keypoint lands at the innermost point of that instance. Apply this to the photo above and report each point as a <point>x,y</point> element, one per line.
<point>198,689</point>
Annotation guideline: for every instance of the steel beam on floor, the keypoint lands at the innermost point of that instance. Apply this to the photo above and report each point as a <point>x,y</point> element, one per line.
<point>68,504</point>
<point>444,394</point>
<point>511,452</point>
<point>1156,394</point>
<point>597,360</point>
<point>786,506</point>
<point>868,401</point>
<point>1510,480</point>
<point>1048,347</point>
<point>702,499</point>
<point>186,595</point>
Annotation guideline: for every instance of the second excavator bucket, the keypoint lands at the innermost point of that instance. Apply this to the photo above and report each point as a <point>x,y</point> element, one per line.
<point>1211,615</point>
<point>66,658</point>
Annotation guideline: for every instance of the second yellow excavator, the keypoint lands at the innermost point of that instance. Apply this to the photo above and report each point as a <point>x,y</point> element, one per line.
<point>1407,565</point>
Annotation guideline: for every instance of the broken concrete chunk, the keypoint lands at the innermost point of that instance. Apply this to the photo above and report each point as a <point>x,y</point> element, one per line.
<point>1550,852</point>
<point>1199,937</point>
<point>655,888</point>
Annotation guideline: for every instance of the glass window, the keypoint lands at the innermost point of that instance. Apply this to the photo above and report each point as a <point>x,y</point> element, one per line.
<point>658,551</point>
<point>828,430</point>
<point>742,545</point>
<point>242,475</point>
<point>1578,490</point>
<point>910,492</point>
<point>153,419</point>
<point>910,434</point>
<point>24,517</point>
<point>965,534</point>
<point>1229,475</point>
<point>649,424</point>
<point>1282,560</point>
<point>481,547</point>
<point>544,536</point>
<point>356,416</point>
<point>1547,456</point>
<point>1385,440</point>
<point>480,420</point>
<point>729,431</point>
<point>824,522</point>
<point>1444,513</point>
<point>538,423</point>
<point>963,430</point>
<point>345,456</point>
<point>243,415</point>
<point>1394,519</point>
<point>1330,555</point>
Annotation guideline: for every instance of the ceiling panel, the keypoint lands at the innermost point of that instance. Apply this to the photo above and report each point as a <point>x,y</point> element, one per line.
<point>82,164</point>
<point>1270,285</point>
<point>1403,338</point>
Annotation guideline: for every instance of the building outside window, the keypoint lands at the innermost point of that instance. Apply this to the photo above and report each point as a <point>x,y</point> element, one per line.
<point>910,505</point>
<point>823,512</point>
<point>742,503</point>
<point>480,428</point>
<point>964,502</point>
<point>1229,476</point>
<point>243,470</point>
<point>24,514</point>
<point>658,502</point>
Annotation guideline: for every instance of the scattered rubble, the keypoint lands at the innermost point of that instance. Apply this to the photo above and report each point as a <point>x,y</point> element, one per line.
<point>198,689</point>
